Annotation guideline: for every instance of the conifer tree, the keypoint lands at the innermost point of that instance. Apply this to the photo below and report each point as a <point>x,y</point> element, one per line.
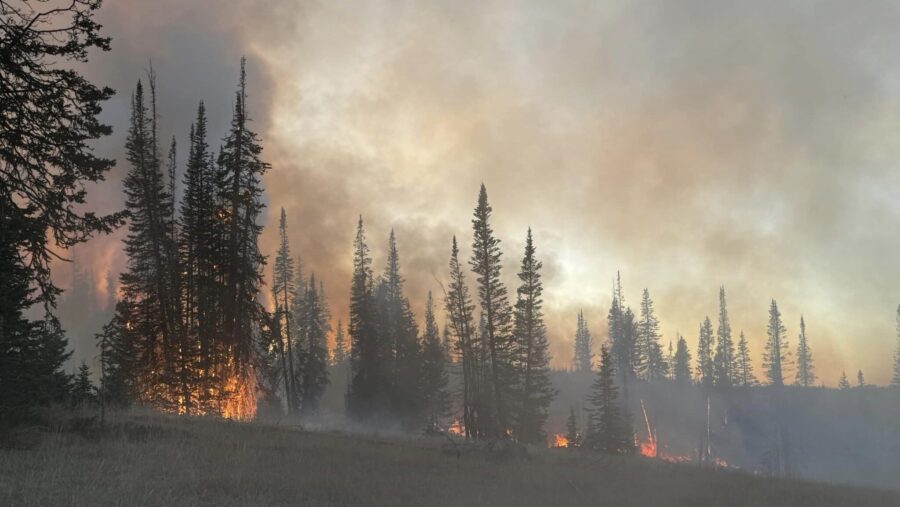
<point>82,386</point>
<point>653,365</point>
<point>682,363</point>
<point>460,312</point>
<point>369,381</point>
<point>705,365</point>
<point>48,124</point>
<point>609,430</point>
<point>860,379</point>
<point>447,345</point>
<point>314,355</point>
<point>199,247</point>
<point>27,369</point>
<point>775,358</point>
<point>843,384</point>
<point>532,356</point>
<point>241,194</point>
<point>895,380</point>
<point>724,360</point>
<point>806,375</point>
<point>400,336</point>
<point>285,294</point>
<point>572,435</point>
<point>145,282</point>
<point>498,339</point>
<point>116,355</point>
<point>340,344</point>
<point>584,354</point>
<point>744,366</point>
<point>437,401</point>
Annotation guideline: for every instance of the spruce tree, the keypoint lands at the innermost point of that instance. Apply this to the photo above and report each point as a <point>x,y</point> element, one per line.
<point>368,387</point>
<point>584,354</point>
<point>532,356</point>
<point>82,386</point>
<point>682,363</point>
<point>460,312</point>
<point>437,401</point>
<point>241,196</point>
<point>498,339</point>
<point>860,379</point>
<point>285,294</point>
<point>744,366</point>
<point>724,360</point>
<point>610,430</point>
<point>144,283</point>
<point>314,355</point>
<point>775,359</point>
<point>447,345</point>
<point>48,125</point>
<point>653,365</point>
<point>705,364</point>
<point>843,384</point>
<point>340,344</point>
<point>32,353</point>
<point>400,337</point>
<point>572,435</point>
<point>116,355</point>
<point>806,375</point>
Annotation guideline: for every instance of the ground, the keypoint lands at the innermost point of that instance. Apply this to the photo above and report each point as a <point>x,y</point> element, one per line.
<point>142,459</point>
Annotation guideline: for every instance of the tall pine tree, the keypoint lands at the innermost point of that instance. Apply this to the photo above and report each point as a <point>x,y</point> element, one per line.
<point>460,312</point>
<point>682,363</point>
<point>653,365</point>
<point>775,358</point>
<point>705,366</point>
<point>724,360</point>
<point>806,375</point>
<point>610,430</point>
<point>584,354</point>
<point>498,338</point>
<point>434,374</point>
<point>744,366</point>
<point>532,354</point>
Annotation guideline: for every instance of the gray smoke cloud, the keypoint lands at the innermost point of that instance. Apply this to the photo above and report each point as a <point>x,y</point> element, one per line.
<point>689,145</point>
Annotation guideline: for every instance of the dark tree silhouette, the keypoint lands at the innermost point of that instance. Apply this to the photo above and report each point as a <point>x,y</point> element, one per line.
<point>610,430</point>
<point>584,346</point>
<point>532,357</point>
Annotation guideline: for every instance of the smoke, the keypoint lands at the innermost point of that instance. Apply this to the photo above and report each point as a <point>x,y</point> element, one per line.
<point>688,144</point>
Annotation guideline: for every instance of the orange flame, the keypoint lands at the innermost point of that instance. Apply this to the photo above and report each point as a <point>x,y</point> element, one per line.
<point>649,448</point>
<point>455,428</point>
<point>560,440</point>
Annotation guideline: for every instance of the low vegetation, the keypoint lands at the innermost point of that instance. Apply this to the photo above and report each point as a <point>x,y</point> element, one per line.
<point>147,459</point>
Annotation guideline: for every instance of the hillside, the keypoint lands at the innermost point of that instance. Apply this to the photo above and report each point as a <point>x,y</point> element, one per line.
<point>154,460</point>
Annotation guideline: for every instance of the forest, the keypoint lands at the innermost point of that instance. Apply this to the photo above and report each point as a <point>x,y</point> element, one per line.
<point>208,326</point>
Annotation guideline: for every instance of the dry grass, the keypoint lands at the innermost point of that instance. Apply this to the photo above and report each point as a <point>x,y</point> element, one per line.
<point>151,460</point>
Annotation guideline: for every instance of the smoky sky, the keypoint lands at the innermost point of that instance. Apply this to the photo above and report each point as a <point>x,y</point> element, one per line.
<point>687,145</point>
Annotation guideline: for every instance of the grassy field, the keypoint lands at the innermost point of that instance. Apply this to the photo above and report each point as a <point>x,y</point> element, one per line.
<point>154,460</point>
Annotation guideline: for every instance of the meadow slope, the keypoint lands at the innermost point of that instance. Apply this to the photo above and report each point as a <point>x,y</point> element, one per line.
<point>164,461</point>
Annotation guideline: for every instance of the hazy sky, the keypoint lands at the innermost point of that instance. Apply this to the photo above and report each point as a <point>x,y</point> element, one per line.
<point>688,144</point>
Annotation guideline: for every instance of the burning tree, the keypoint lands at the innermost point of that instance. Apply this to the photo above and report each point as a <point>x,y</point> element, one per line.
<point>189,311</point>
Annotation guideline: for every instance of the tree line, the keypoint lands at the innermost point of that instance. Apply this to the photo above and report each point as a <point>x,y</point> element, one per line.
<point>190,332</point>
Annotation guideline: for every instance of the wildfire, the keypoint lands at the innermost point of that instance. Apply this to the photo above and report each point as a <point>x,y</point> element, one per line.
<point>456,428</point>
<point>649,448</point>
<point>560,441</point>
<point>240,403</point>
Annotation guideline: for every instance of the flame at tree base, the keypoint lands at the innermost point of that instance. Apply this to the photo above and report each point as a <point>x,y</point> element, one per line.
<point>240,397</point>
<point>560,441</point>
